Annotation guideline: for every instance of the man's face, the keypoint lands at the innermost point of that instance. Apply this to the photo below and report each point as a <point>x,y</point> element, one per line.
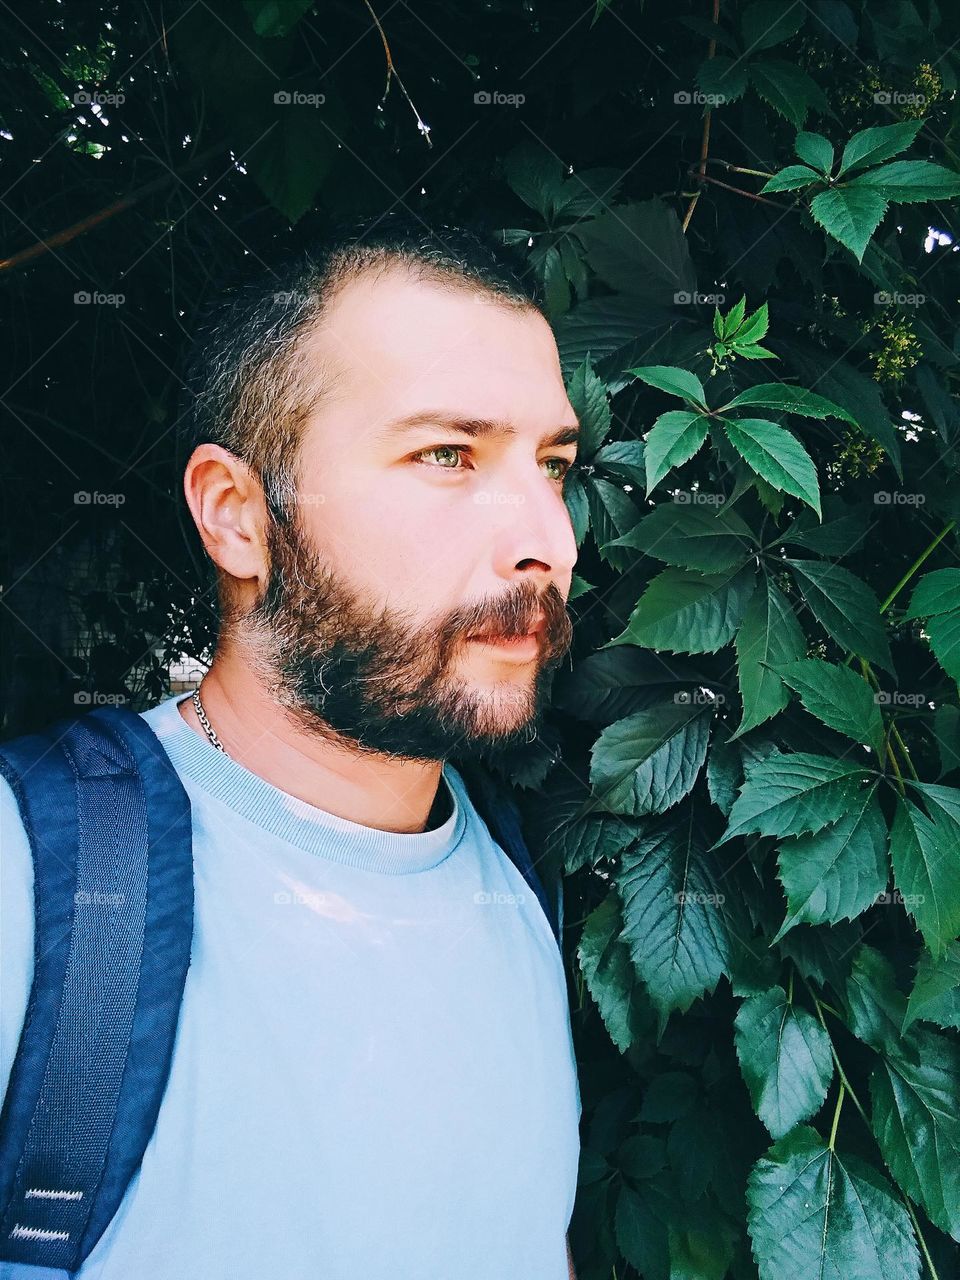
<point>411,539</point>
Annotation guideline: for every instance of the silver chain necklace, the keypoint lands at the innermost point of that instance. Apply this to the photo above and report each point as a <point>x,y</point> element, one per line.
<point>207,726</point>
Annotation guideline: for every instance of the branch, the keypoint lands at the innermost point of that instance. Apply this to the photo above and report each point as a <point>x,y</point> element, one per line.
<point>705,140</point>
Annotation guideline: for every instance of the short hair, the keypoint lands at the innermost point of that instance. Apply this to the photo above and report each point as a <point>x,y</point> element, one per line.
<point>246,385</point>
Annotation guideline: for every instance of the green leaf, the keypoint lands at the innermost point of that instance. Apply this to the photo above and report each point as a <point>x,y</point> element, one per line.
<point>917,1125</point>
<point>724,773</point>
<point>674,438</point>
<point>768,22</point>
<point>535,175</point>
<point>647,762</point>
<point>793,178</point>
<point>837,873</point>
<point>687,612</point>
<point>575,498</point>
<point>815,1212</point>
<point>778,395</point>
<point>936,990</point>
<point>872,146</point>
<point>787,795</point>
<point>639,249</point>
<point>624,459</point>
<point>850,215</point>
<point>588,395</point>
<point>603,683</point>
<point>788,89</point>
<point>845,607</point>
<point>674,915</point>
<point>816,150</point>
<point>777,456</point>
<point>785,1058</point>
<point>875,1005</point>
<point>908,182</point>
<point>692,537</point>
<point>925,852</point>
<point>841,533</point>
<point>612,513</point>
<point>752,329</point>
<point>733,319</point>
<point>770,634</point>
<point>610,977</point>
<point>936,592</point>
<point>839,698</point>
<point>276,17</point>
<point>722,77</point>
<point>675,381</point>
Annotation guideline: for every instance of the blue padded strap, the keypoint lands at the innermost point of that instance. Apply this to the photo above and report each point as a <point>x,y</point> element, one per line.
<point>110,832</point>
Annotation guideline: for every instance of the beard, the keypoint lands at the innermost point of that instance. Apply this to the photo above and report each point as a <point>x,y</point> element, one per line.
<point>373,679</point>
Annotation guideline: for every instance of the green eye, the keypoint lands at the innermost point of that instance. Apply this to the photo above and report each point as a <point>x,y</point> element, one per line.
<point>449,449</point>
<point>564,464</point>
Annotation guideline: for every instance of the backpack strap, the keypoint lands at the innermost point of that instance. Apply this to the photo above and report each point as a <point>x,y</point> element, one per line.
<point>500,812</point>
<point>110,833</point>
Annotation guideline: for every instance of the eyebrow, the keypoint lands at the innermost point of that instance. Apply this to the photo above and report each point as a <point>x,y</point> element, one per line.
<point>476,427</point>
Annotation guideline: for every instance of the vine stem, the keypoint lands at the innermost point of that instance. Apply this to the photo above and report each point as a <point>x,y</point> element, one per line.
<point>916,565</point>
<point>846,1087</point>
<point>705,139</point>
<point>836,1114</point>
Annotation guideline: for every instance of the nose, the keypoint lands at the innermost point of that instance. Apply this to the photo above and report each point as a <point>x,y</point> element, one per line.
<point>533,535</point>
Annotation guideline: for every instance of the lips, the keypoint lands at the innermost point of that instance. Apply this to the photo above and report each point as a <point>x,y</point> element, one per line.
<point>492,637</point>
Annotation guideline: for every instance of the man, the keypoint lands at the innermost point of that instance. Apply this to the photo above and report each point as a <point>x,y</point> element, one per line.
<point>373,1074</point>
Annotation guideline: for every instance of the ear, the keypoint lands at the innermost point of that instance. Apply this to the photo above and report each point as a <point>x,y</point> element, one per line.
<point>228,506</point>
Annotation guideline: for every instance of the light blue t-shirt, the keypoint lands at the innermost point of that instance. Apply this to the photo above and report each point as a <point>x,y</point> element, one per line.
<point>373,1076</point>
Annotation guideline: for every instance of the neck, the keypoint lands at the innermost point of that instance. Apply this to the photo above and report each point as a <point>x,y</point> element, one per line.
<point>256,731</point>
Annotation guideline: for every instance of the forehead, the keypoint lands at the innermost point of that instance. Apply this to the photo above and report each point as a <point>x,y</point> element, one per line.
<point>397,344</point>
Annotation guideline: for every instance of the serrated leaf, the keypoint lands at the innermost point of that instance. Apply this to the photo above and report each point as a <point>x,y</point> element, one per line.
<point>815,1212</point>
<point>602,684</point>
<point>675,381</point>
<point>723,78</point>
<point>612,513</point>
<point>815,150</point>
<point>624,459</point>
<point>769,634</point>
<point>674,438</point>
<point>687,612</point>
<point>778,395</point>
<point>850,215</point>
<point>588,396</point>
<point>936,592</point>
<point>837,873</point>
<point>535,175</point>
<point>925,852</point>
<point>908,182</point>
<point>765,23</point>
<point>734,318</point>
<point>873,146</point>
<point>777,456</point>
<point>917,1125</point>
<point>674,918</point>
<point>845,607</point>
<point>724,774</point>
<point>841,533</point>
<point>578,508</point>
<point>875,1005</point>
<point>785,1058</point>
<point>793,178</point>
<point>788,89</point>
<point>639,249</point>
<point>936,990</point>
<point>838,697</point>
<point>610,977</point>
<point>649,761</point>
<point>751,329</point>
<point>788,795</point>
<point>692,537</point>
